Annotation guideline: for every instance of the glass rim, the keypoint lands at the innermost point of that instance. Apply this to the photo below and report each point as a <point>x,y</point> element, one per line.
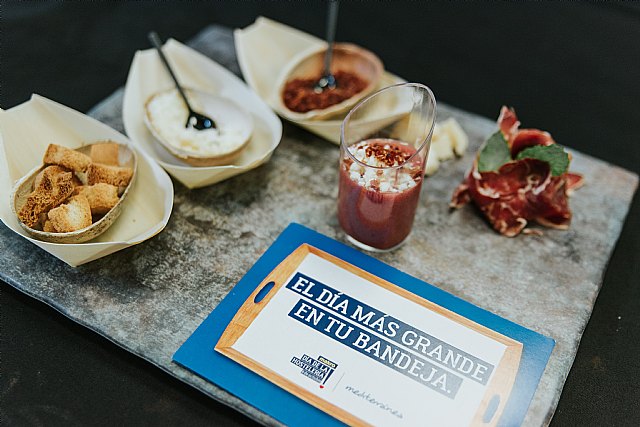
<point>367,98</point>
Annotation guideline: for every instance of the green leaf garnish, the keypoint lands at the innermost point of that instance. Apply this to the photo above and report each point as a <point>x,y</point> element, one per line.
<point>553,154</point>
<point>494,154</point>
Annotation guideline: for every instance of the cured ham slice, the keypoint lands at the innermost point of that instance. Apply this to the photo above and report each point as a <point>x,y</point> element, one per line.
<point>508,122</point>
<point>574,181</point>
<point>526,138</point>
<point>520,191</point>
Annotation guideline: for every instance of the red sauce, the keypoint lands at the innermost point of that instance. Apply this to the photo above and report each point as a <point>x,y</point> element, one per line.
<point>377,218</point>
<point>299,94</point>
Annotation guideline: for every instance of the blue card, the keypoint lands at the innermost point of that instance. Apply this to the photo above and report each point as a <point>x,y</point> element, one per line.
<point>318,333</point>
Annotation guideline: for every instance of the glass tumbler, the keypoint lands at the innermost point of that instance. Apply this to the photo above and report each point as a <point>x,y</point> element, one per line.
<point>384,145</point>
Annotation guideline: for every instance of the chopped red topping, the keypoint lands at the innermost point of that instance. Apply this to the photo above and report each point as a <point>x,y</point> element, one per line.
<point>299,94</point>
<point>389,155</point>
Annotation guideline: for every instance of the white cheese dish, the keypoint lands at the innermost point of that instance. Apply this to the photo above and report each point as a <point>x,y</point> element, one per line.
<point>166,116</point>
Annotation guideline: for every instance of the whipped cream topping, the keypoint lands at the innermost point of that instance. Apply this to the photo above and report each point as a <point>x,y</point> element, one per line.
<point>379,154</point>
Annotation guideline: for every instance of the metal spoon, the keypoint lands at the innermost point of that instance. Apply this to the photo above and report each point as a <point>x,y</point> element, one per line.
<point>328,80</point>
<point>196,120</point>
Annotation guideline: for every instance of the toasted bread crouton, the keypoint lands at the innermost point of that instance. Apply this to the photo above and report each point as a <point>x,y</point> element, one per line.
<point>102,197</point>
<point>120,177</point>
<point>56,169</point>
<point>72,216</point>
<point>53,188</point>
<point>53,170</point>
<point>74,160</point>
<point>48,227</point>
<point>105,153</point>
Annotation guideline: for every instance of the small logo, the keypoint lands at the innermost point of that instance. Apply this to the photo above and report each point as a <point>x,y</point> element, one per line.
<point>319,370</point>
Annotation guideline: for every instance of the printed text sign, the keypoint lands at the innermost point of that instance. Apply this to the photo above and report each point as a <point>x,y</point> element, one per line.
<point>369,352</point>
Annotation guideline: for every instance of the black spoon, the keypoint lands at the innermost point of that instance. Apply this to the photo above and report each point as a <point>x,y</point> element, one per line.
<point>328,80</point>
<point>196,120</point>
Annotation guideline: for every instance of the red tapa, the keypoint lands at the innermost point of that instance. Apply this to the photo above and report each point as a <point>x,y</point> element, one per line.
<point>521,190</point>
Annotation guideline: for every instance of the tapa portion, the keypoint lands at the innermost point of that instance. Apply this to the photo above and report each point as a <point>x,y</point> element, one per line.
<point>514,183</point>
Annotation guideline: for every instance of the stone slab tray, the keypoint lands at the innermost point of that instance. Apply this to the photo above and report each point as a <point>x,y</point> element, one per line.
<point>149,298</point>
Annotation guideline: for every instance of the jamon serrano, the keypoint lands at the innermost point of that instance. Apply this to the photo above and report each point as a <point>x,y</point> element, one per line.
<point>531,185</point>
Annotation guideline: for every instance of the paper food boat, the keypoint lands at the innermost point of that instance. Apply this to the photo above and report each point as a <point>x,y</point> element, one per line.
<point>265,48</point>
<point>147,76</point>
<point>27,130</point>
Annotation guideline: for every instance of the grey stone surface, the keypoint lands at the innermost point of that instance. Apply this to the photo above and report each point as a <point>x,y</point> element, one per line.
<point>149,298</point>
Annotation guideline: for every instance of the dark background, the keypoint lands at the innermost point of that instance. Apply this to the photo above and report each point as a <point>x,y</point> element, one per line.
<point>572,69</point>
